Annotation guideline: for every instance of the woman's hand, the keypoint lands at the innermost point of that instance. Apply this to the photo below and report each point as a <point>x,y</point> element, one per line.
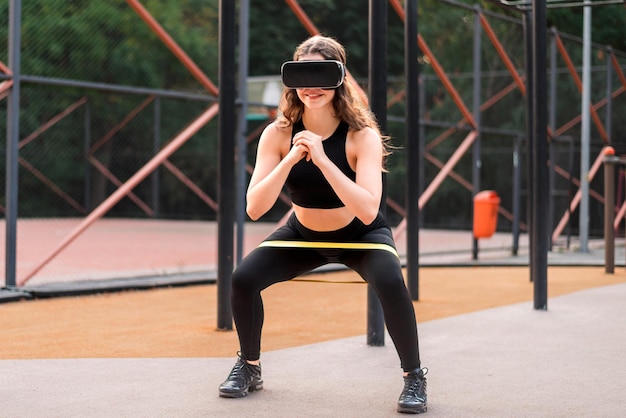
<point>296,153</point>
<point>311,144</point>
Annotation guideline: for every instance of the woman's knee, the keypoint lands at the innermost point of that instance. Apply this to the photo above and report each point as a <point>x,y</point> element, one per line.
<point>387,279</point>
<point>388,284</point>
<point>243,280</point>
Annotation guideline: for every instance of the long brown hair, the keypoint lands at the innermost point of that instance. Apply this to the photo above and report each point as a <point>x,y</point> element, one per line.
<point>347,104</point>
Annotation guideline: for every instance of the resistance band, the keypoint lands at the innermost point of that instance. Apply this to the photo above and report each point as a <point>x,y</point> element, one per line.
<point>335,245</point>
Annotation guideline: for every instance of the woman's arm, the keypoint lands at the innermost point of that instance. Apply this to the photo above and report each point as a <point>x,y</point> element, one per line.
<point>271,169</point>
<point>363,196</point>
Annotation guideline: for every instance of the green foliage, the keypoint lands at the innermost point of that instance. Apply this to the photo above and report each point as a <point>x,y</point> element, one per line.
<point>608,24</point>
<point>106,41</point>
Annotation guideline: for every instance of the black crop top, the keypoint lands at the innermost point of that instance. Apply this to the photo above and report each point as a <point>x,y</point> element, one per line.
<point>306,183</point>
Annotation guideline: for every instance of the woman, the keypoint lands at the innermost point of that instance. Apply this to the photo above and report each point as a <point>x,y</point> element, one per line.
<point>327,149</point>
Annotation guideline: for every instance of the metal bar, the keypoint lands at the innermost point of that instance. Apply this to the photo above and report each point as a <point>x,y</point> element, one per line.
<point>456,97</point>
<point>576,199</point>
<point>620,215</point>
<point>242,127</point>
<point>502,53</point>
<point>106,138</point>
<point>517,181</point>
<point>113,179</point>
<point>56,189</point>
<point>395,206</point>
<point>397,97</point>
<point>12,148</point>
<point>377,36</point>
<point>191,185</point>
<point>412,146</point>
<point>523,4</point>
<point>5,69</point>
<point>468,186</point>
<point>422,148</point>
<point>155,178</point>
<point>576,182</point>
<point>50,123</point>
<point>570,182</point>
<point>610,160</point>
<point>226,157</point>
<point>476,151</point>
<point>540,163</point>
<point>131,183</point>
<point>170,94</point>
<point>530,152</point>
<point>440,177</point>
<point>5,86</point>
<point>579,85</point>
<point>585,128</point>
<point>173,46</point>
<point>462,123</point>
<point>567,126</point>
<point>452,161</point>
<point>618,69</point>
<point>609,99</point>
<point>552,126</point>
<point>86,146</point>
<point>302,17</point>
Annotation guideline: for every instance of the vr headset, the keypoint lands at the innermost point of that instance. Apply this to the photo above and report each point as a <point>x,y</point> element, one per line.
<point>317,74</point>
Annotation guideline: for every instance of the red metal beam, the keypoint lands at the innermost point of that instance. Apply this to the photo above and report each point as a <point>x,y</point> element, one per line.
<point>576,181</point>
<point>468,186</point>
<point>486,105</point>
<point>618,70</point>
<point>576,199</point>
<point>173,46</point>
<point>106,138</point>
<point>113,179</point>
<point>579,84</point>
<point>567,126</point>
<point>56,119</point>
<point>43,128</point>
<point>302,17</point>
<point>502,53</point>
<point>56,189</point>
<point>445,171</point>
<point>619,216</point>
<point>5,86</point>
<point>190,184</point>
<point>5,69</point>
<point>456,97</point>
<point>310,27</point>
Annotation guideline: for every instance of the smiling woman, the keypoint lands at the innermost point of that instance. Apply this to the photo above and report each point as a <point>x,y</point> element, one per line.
<point>327,149</point>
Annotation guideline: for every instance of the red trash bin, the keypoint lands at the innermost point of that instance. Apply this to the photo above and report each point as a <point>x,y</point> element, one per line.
<point>485,213</point>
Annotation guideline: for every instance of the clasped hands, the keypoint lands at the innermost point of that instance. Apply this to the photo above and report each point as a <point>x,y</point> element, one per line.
<point>307,144</point>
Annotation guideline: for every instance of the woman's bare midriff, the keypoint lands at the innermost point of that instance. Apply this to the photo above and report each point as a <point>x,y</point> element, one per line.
<point>323,219</point>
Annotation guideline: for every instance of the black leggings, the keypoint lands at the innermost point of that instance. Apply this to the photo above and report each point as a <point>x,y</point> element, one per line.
<point>267,265</point>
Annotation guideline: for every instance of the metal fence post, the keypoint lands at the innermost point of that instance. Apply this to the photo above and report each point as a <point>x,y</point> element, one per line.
<point>12,147</point>
<point>610,161</point>
<point>378,104</point>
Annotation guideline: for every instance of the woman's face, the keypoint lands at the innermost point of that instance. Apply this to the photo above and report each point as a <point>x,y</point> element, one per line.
<point>315,98</point>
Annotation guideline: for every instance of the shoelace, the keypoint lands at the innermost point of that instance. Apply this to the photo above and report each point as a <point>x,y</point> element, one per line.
<point>414,385</point>
<point>238,370</point>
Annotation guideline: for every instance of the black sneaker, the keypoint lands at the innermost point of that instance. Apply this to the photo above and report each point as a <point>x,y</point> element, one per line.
<point>413,397</point>
<point>243,378</point>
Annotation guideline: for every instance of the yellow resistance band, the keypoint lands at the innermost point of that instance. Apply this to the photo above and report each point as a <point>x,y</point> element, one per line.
<point>337,245</point>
